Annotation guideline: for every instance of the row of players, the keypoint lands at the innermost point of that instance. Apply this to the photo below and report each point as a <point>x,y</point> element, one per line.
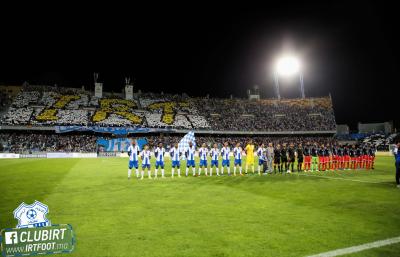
<point>311,157</point>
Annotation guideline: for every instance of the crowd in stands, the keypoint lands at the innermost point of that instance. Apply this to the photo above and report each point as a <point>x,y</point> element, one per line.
<point>170,140</point>
<point>16,142</point>
<point>49,106</point>
<point>40,142</point>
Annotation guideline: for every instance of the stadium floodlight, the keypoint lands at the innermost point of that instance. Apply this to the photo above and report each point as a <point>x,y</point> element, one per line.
<point>288,66</point>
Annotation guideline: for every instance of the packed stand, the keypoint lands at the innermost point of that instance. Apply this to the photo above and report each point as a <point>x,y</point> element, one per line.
<point>40,142</point>
<point>49,106</point>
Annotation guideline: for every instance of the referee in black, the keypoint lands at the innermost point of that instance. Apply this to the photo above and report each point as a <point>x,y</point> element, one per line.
<point>396,152</point>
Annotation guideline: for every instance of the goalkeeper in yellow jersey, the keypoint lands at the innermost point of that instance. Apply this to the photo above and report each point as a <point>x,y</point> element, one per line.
<point>249,156</point>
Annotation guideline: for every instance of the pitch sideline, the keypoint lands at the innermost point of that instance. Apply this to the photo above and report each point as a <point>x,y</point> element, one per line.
<point>358,248</point>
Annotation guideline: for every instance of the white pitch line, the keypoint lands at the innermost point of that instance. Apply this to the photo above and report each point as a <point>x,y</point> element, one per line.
<point>359,248</point>
<point>353,180</point>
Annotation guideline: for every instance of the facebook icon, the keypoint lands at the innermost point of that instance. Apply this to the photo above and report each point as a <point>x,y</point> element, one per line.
<point>11,237</point>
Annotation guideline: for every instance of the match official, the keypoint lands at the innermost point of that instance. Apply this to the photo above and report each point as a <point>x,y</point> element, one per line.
<point>396,152</point>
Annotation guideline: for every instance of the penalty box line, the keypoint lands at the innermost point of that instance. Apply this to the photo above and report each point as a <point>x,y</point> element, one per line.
<point>346,179</point>
<point>358,248</point>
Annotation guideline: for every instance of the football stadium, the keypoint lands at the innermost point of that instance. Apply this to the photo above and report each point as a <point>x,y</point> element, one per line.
<point>224,158</point>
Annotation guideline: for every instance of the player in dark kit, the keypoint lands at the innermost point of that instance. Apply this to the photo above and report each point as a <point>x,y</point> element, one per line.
<point>299,152</point>
<point>371,156</point>
<point>334,157</point>
<point>340,157</point>
<point>307,157</point>
<point>321,159</point>
<point>291,157</point>
<point>346,153</point>
<point>364,157</point>
<point>327,158</point>
<point>352,153</point>
<point>284,166</point>
<point>358,157</point>
<point>277,158</point>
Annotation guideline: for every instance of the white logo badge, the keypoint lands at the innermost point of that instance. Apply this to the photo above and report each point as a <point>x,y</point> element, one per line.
<point>33,215</point>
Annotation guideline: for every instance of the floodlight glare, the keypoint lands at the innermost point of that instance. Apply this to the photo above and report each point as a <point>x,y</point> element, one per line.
<point>287,66</point>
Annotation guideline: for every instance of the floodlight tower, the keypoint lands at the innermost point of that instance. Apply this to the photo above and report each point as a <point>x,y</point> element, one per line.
<point>288,66</point>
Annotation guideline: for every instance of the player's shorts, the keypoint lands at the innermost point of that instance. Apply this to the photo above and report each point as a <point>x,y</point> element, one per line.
<point>283,160</point>
<point>203,163</point>
<point>321,159</point>
<point>327,159</point>
<point>292,159</point>
<point>347,158</point>
<point>314,159</point>
<point>145,166</point>
<point>190,163</point>
<point>159,164</point>
<point>225,163</point>
<point>277,161</point>
<point>250,161</point>
<point>238,162</point>
<point>133,164</point>
<point>365,158</point>
<point>334,158</point>
<point>260,162</point>
<point>175,164</point>
<point>353,159</point>
<point>300,160</point>
<point>214,163</point>
<point>307,159</point>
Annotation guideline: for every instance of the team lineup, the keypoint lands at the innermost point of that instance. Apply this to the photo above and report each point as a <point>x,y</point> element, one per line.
<point>272,159</point>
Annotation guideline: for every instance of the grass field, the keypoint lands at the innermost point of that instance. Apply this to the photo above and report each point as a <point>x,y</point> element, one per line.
<point>273,215</point>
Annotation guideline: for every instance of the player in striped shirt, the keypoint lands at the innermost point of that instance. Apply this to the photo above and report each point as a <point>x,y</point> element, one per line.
<point>133,153</point>
<point>176,157</point>
<point>146,155</point>
<point>190,159</point>
<point>237,153</point>
<point>214,159</point>
<point>261,158</point>
<point>159,154</point>
<point>225,158</point>
<point>203,151</point>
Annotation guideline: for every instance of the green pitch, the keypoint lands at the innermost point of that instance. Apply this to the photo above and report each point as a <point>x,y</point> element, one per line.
<point>273,215</point>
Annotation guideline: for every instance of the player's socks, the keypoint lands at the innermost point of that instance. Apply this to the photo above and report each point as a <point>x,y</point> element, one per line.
<point>156,173</point>
<point>240,170</point>
<point>179,172</point>
<point>211,172</point>
<point>137,173</point>
<point>234,171</point>
<point>149,173</point>
<point>187,171</point>
<point>162,173</point>
<point>217,172</point>
<point>129,173</point>
<point>194,172</point>
<point>142,174</point>
<point>173,172</point>
<point>229,171</point>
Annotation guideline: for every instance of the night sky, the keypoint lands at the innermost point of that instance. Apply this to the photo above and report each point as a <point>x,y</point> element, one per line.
<point>348,50</point>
